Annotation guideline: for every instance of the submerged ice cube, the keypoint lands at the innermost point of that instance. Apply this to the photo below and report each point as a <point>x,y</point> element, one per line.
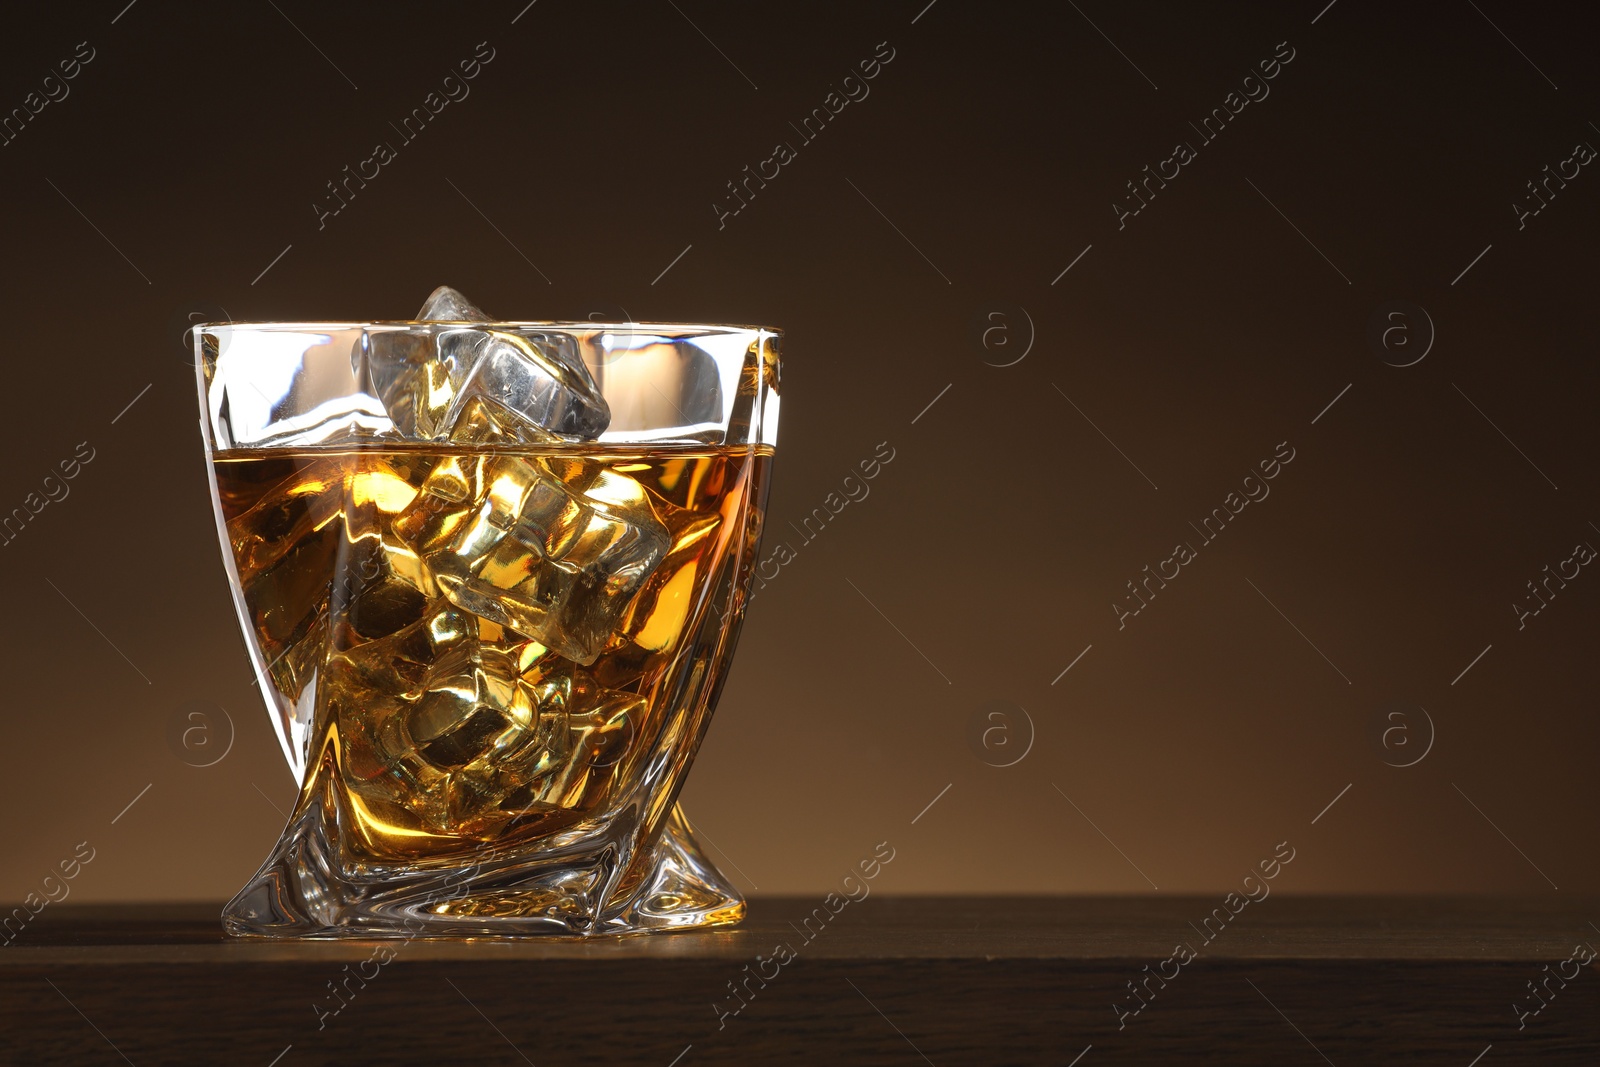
<point>432,378</point>
<point>553,548</point>
<point>474,705</point>
<point>466,728</point>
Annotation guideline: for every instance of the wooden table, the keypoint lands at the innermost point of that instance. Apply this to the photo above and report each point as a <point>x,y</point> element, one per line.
<point>909,980</point>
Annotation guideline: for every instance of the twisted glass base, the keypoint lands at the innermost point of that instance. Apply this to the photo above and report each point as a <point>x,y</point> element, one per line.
<point>574,892</point>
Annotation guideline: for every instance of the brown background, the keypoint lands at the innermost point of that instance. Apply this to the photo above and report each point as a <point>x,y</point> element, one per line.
<point>1197,338</point>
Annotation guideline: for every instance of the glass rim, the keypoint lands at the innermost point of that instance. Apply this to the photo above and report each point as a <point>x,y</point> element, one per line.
<point>548,324</point>
<point>659,381</point>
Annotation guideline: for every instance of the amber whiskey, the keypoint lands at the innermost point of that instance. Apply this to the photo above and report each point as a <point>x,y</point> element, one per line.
<point>481,643</point>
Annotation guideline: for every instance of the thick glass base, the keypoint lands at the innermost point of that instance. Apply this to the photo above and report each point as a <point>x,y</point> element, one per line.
<point>573,891</point>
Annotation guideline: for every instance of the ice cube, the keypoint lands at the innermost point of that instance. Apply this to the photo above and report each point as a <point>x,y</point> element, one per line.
<point>580,754</point>
<point>445,304</point>
<point>400,367</point>
<point>460,728</point>
<point>448,749</point>
<point>437,381</point>
<point>553,548</point>
<point>399,665</point>
<point>550,393</point>
<point>475,705</point>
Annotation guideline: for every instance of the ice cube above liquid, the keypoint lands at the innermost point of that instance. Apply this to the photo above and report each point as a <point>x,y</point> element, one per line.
<point>445,304</point>
<point>436,381</point>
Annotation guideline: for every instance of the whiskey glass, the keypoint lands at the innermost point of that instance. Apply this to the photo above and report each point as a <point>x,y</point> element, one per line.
<point>489,645</point>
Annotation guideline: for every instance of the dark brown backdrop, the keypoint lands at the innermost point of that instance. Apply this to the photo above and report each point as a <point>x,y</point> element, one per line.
<point>180,171</point>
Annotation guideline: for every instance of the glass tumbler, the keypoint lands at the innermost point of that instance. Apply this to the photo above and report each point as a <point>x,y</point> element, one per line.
<point>489,645</point>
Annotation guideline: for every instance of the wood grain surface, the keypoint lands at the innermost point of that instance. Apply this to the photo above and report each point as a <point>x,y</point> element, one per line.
<point>909,980</point>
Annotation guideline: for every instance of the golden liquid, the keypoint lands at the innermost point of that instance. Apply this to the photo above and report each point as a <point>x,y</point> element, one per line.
<point>488,633</point>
